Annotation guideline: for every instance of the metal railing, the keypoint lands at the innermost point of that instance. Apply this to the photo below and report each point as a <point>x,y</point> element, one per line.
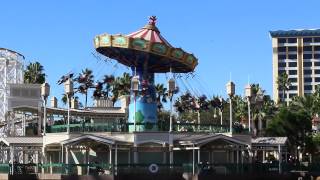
<point>99,168</point>
<point>124,127</point>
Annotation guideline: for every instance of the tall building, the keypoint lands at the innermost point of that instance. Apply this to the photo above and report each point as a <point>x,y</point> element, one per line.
<point>296,53</point>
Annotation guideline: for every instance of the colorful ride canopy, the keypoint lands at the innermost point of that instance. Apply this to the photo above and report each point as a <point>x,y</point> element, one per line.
<point>146,48</point>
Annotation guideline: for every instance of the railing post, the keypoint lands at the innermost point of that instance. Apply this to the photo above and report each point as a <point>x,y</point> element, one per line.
<point>279,158</point>
<point>193,159</point>
<point>116,160</point>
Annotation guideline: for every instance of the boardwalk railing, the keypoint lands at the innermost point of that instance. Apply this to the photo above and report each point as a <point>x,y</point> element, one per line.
<point>124,127</point>
<point>98,169</point>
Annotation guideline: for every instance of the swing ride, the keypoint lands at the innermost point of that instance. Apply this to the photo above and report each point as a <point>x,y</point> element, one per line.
<point>146,52</point>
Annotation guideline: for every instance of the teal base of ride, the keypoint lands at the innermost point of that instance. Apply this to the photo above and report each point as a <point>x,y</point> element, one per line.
<point>143,104</point>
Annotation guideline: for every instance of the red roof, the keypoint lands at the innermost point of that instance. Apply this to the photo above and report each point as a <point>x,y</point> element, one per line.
<point>150,33</point>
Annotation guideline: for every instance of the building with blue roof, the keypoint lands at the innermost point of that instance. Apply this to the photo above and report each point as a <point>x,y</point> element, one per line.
<point>297,54</point>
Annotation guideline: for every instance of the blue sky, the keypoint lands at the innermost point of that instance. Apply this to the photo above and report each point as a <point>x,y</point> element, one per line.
<point>226,36</point>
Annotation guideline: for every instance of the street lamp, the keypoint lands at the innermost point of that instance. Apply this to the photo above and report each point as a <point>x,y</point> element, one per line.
<point>172,87</point>
<point>68,88</point>
<point>259,101</point>
<point>135,89</point>
<point>248,94</point>
<point>221,112</point>
<point>230,91</point>
<point>45,91</point>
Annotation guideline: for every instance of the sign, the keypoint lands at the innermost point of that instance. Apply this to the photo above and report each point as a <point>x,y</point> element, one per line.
<point>153,168</point>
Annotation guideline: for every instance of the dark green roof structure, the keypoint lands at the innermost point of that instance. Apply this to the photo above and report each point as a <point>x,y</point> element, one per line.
<point>295,33</point>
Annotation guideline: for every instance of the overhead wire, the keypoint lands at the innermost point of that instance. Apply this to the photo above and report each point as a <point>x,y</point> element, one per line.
<point>193,88</point>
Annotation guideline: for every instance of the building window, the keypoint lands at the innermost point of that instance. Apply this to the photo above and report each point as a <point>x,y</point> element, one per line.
<point>307,64</point>
<point>307,56</point>
<point>307,79</point>
<point>317,71</point>
<point>281,71</point>
<point>281,49</point>
<point>292,87</point>
<point>317,48</point>
<point>317,63</point>
<point>291,49</point>
<point>293,80</point>
<point>292,95</point>
<point>281,64</point>
<point>282,40</point>
<point>281,96</point>
<point>307,40</point>
<point>307,71</point>
<point>308,87</point>
<point>316,39</point>
<point>307,48</point>
<point>292,56</point>
<point>307,94</point>
<point>282,56</point>
<point>317,79</point>
<point>292,72</point>
<point>292,40</point>
<point>317,56</point>
<point>292,64</point>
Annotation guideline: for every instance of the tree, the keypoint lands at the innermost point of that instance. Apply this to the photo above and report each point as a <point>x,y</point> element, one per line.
<point>307,102</point>
<point>217,102</point>
<point>283,84</point>
<point>200,104</point>
<point>296,125</point>
<point>98,90</point>
<point>109,82</point>
<point>33,74</point>
<point>161,95</point>
<point>262,108</point>
<point>64,100</point>
<point>85,80</point>
<point>183,103</point>
<point>240,109</point>
<point>121,86</point>
<point>184,106</point>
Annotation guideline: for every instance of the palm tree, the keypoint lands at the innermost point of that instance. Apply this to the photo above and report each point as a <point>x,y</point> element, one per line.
<point>34,74</point>
<point>162,95</point>
<point>201,104</point>
<point>85,80</point>
<point>121,86</point>
<point>218,103</point>
<point>309,103</point>
<point>64,100</point>
<point>183,105</point>
<point>240,109</point>
<point>98,90</point>
<point>283,84</point>
<point>108,81</point>
<point>262,107</point>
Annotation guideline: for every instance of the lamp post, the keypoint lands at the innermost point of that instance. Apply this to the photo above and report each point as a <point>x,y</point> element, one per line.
<point>248,94</point>
<point>135,89</point>
<point>68,88</point>
<point>172,87</point>
<point>259,101</point>
<point>230,91</point>
<point>221,111</point>
<point>45,91</point>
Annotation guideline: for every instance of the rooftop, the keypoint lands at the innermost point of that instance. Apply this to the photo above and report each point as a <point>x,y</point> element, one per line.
<point>295,33</point>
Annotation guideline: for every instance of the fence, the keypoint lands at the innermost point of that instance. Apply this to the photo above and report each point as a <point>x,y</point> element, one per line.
<point>123,127</point>
<point>95,169</point>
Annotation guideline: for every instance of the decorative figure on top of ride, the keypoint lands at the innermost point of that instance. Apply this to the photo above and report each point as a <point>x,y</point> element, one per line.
<point>143,103</point>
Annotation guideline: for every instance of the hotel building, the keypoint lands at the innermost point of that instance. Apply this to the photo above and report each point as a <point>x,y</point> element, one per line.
<point>296,53</point>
